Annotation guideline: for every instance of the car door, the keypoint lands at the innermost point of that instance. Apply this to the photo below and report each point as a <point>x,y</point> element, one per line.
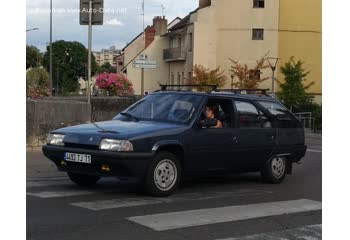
<point>255,135</point>
<point>211,148</point>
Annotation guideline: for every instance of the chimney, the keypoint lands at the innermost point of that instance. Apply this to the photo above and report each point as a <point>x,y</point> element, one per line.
<point>160,24</point>
<point>150,32</point>
<point>204,3</point>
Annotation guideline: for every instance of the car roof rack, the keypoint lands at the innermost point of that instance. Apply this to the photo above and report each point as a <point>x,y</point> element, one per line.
<point>245,91</point>
<point>165,87</point>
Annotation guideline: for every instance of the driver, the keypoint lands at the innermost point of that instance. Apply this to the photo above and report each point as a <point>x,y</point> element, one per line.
<point>212,112</point>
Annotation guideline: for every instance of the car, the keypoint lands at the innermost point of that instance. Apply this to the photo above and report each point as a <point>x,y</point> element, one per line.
<point>165,138</point>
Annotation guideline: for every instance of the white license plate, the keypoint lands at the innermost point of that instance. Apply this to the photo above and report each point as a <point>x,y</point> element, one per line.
<point>80,158</point>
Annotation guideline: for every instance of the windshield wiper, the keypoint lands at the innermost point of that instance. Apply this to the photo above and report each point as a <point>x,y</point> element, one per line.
<point>129,115</point>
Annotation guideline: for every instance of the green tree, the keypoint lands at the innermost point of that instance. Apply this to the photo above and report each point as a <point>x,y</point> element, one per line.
<point>33,57</point>
<point>205,76</point>
<point>37,81</point>
<point>69,63</point>
<point>293,92</point>
<point>106,67</point>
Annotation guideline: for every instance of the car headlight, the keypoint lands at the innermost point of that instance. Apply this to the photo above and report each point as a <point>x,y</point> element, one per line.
<point>55,139</point>
<point>116,145</point>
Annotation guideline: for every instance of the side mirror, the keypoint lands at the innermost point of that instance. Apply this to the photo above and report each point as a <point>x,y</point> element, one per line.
<point>208,122</point>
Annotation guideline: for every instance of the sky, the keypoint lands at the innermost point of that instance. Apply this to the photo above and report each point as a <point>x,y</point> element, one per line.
<point>122,20</point>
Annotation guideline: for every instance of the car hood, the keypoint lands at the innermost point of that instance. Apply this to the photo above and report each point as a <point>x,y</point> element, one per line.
<point>92,133</point>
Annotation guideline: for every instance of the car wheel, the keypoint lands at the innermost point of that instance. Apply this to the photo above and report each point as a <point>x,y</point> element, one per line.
<point>275,170</point>
<point>163,175</point>
<point>83,180</point>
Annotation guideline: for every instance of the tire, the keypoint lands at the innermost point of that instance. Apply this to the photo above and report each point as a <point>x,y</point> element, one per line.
<point>163,175</point>
<point>275,170</point>
<point>83,180</point>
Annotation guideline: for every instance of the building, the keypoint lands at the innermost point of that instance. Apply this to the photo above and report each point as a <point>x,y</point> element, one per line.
<point>300,35</point>
<point>148,44</point>
<point>219,30</point>
<point>107,56</point>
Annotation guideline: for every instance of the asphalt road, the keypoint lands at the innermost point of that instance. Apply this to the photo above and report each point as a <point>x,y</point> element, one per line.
<point>237,207</point>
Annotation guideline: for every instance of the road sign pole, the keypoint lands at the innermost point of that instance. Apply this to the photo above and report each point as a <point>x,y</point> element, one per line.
<point>89,57</point>
<point>142,82</point>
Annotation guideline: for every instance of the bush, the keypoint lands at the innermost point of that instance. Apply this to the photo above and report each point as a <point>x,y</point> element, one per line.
<point>114,84</point>
<point>37,83</point>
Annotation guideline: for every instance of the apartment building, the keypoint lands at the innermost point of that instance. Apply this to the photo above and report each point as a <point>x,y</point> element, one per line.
<point>107,56</point>
<point>300,35</point>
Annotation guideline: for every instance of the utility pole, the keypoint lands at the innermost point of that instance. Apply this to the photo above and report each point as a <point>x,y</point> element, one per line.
<point>143,18</point>
<point>89,46</point>
<point>50,80</point>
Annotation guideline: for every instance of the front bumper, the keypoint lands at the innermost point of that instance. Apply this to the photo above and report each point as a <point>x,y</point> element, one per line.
<point>121,164</point>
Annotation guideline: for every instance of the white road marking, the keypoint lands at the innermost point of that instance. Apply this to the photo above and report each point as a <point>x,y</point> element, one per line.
<point>174,220</point>
<point>313,232</point>
<point>54,194</point>
<point>31,184</point>
<point>314,151</point>
<point>133,201</point>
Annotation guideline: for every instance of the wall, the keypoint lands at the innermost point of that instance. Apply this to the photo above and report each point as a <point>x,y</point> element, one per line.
<point>225,30</point>
<point>44,116</point>
<point>301,36</point>
<point>152,76</point>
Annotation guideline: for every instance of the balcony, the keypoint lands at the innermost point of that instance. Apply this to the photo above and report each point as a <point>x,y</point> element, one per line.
<point>174,54</point>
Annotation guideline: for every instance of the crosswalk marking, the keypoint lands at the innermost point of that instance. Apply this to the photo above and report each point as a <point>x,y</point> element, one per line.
<point>174,220</point>
<point>54,194</point>
<point>313,232</point>
<point>314,151</point>
<point>31,184</point>
<point>132,202</point>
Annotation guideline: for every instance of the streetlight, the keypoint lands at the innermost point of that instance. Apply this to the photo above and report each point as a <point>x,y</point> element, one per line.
<point>32,29</point>
<point>273,63</point>
<point>232,77</point>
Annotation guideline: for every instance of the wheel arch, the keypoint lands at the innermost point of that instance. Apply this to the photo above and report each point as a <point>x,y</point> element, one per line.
<point>174,147</point>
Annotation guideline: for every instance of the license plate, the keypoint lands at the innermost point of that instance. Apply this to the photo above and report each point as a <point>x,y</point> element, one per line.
<point>80,158</point>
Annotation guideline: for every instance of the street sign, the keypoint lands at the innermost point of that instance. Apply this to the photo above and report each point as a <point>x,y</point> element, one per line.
<point>146,64</point>
<point>97,12</point>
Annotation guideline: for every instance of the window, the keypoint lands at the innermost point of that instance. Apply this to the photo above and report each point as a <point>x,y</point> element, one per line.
<point>259,3</point>
<point>178,79</point>
<point>183,78</point>
<point>190,42</point>
<point>189,76</point>
<point>276,109</point>
<point>258,34</point>
<point>248,115</point>
<point>172,79</point>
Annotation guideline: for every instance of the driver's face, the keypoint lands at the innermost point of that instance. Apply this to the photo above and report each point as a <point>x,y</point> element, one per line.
<point>209,113</point>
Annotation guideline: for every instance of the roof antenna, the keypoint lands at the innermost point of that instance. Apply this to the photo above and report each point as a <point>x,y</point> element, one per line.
<point>163,8</point>
<point>143,18</point>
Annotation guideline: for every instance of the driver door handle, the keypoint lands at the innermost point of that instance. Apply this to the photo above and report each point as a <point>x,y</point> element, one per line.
<point>235,139</point>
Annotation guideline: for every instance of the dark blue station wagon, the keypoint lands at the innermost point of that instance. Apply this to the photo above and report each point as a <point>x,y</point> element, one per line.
<point>166,137</point>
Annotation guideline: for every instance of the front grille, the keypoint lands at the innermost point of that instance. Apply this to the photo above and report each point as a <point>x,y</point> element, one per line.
<point>81,146</point>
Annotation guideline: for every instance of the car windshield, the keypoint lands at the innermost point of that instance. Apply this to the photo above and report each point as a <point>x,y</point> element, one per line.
<point>172,107</point>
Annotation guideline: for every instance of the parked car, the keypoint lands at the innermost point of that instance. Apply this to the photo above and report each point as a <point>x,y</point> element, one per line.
<point>164,138</point>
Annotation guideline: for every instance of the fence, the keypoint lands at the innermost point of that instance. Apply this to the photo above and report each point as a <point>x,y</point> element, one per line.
<point>307,120</point>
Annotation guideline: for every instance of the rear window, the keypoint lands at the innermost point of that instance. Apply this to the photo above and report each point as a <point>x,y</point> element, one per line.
<point>277,109</point>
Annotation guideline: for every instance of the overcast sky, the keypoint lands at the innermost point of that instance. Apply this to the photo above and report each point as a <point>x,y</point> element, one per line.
<point>122,21</point>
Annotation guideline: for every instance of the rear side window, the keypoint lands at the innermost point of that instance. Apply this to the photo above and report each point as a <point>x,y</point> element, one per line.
<point>277,110</point>
<point>281,113</point>
<point>248,115</point>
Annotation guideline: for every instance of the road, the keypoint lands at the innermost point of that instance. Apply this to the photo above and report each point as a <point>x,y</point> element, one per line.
<point>237,207</point>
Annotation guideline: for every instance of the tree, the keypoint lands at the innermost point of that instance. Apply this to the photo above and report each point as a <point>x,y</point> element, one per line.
<point>205,76</point>
<point>106,67</point>
<point>37,82</point>
<point>69,63</point>
<point>248,78</point>
<point>33,57</point>
<point>293,93</point>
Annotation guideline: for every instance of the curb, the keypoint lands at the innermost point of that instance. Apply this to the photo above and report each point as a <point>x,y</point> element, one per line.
<point>34,149</point>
